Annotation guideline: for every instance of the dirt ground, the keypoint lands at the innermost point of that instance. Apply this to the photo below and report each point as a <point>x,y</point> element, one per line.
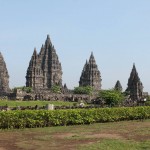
<point>71,137</point>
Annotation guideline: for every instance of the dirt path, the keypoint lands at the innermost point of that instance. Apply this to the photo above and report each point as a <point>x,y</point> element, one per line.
<point>70,138</point>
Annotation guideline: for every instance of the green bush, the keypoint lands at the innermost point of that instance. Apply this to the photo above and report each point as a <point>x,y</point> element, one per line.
<point>83,90</point>
<point>44,118</point>
<point>56,89</point>
<point>147,103</point>
<point>111,97</point>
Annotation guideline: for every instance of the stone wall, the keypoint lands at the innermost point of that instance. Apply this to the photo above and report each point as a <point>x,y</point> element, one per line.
<point>48,95</point>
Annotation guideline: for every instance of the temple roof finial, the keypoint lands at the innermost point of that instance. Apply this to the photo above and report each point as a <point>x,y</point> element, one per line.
<point>48,41</point>
<point>86,62</point>
<point>134,68</point>
<point>35,52</point>
<point>92,54</point>
<point>48,37</point>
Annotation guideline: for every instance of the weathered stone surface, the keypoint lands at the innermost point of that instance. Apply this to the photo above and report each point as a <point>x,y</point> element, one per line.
<point>44,94</point>
<point>44,69</point>
<point>135,86</point>
<point>90,75</point>
<point>4,77</point>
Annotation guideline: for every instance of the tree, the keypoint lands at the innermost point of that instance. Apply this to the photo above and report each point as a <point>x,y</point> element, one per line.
<point>56,89</point>
<point>83,90</point>
<point>111,97</point>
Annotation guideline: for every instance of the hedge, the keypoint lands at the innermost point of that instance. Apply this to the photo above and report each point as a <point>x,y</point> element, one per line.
<point>44,118</point>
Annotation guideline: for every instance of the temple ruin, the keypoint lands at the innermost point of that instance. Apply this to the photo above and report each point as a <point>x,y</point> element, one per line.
<point>45,72</point>
<point>90,75</point>
<point>44,69</point>
<point>135,86</point>
<point>118,86</point>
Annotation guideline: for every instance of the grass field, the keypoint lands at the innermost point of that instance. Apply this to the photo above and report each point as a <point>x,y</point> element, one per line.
<point>125,135</point>
<point>11,103</point>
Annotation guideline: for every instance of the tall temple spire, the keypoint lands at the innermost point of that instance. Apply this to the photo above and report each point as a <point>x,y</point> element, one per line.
<point>90,75</point>
<point>44,69</point>
<point>4,77</point>
<point>135,86</point>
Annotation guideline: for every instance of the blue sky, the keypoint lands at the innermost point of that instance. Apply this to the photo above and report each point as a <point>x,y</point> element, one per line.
<point>117,31</point>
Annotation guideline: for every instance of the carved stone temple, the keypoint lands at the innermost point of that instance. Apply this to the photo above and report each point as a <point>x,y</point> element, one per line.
<point>135,86</point>
<point>118,86</point>
<point>4,77</point>
<point>44,69</point>
<point>90,75</point>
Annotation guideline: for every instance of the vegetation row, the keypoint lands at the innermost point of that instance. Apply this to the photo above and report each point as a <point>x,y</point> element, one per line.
<point>44,118</point>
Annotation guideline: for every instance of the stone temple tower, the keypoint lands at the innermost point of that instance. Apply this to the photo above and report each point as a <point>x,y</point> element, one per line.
<point>135,86</point>
<point>118,86</point>
<point>4,77</point>
<point>44,69</point>
<point>90,75</point>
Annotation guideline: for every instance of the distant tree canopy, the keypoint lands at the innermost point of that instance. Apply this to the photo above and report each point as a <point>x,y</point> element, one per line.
<point>83,90</point>
<point>56,89</point>
<point>111,97</point>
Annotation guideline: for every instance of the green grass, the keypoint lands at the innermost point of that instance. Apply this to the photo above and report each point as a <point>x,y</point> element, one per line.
<point>124,135</point>
<point>13,103</point>
<point>111,144</point>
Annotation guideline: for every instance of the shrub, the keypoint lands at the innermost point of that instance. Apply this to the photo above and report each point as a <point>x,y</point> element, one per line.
<point>56,89</point>
<point>83,90</point>
<point>111,97</point>
<point>44,118</point>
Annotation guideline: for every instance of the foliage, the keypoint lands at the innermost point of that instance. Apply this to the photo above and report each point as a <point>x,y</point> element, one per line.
<point>111,97</point>
<point>44,118</point>
<point>56,89</point>
<point>24,88</point>
<point>83,90</point>
<point>147,103</point>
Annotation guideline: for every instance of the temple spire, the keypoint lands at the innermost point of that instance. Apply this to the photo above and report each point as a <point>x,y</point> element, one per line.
<point>134,68</point>
<point>118,86</point>
<point>135,86</point>
<point>92,56</point>
<point>90,75</point>
<point>35,52</point>
<point>44,69</point>
<point>4,77</point>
